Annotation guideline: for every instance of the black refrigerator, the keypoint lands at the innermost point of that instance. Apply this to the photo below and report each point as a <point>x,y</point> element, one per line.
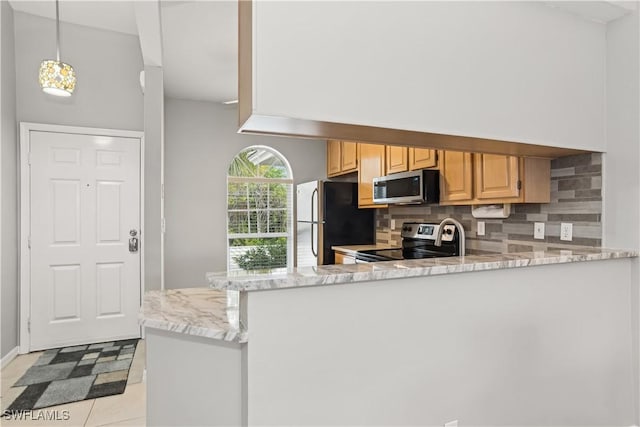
<point>327,215</point>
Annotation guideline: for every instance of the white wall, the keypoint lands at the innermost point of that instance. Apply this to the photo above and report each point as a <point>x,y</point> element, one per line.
<point>214,389</point>
<point>518,71</point>
<point>107,65</point>
<point>9,178</point>
<point>537,346</point>
<point>153,158</point>
<point>107,95</point>
<point>621,178</point>
<point>622,159</point>
<point>200,142</point>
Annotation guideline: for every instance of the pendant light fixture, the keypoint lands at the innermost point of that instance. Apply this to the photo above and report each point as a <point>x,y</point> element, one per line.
<point>56,77</point>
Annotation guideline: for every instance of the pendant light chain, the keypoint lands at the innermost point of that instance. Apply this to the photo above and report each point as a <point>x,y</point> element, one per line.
<point>57,31</point>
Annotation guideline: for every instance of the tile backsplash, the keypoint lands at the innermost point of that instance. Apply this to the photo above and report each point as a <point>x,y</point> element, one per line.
<point>576,183</point>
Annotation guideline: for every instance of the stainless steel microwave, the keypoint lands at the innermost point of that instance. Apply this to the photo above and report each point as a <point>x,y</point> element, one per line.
<point>421,186</point>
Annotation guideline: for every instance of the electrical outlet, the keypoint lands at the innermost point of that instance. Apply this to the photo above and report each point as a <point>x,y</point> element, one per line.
<point>538,230</point>
<point>393,224</point>
<point>453,423</point>
<point>480,228</point>
<point>566,231</point>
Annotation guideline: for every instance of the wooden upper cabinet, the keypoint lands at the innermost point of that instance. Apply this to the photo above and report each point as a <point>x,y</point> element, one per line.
<point>334,157</point>
<point>349,157</point>
<point>493,178</point>
<point>465,178</point>
<point>535,174</point>
<point>508,179</point>
<point>422,158</point>
<point>397,159</point>
<point>342,157</point>
<point>372,164</point>
<point>456,177</point>
<point>497,176</point>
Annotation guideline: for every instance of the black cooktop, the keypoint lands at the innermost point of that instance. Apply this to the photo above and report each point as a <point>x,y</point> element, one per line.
<point>418,242</point>
<point>400,254</point>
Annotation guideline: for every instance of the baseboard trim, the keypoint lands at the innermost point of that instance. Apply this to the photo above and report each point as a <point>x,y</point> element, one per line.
<point>9,357</point>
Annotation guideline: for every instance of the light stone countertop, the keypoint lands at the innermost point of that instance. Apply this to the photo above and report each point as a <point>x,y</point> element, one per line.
<point>352,273</point>
<point>352,249</point>
<point>203,312</point>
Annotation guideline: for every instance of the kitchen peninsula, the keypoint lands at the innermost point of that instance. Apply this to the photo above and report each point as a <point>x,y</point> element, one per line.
<point>519,338</point>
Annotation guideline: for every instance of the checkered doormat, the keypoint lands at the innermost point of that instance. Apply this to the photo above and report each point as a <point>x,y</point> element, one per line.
<point>70,374</point>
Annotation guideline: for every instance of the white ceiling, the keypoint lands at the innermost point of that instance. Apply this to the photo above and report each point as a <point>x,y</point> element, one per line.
<point>199,38</point>
<point>108,15</point>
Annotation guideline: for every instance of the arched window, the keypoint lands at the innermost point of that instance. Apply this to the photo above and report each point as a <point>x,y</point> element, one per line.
<point>259,211</point>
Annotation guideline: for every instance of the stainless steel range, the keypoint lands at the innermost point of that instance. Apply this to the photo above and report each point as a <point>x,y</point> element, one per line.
<point>419,241</point>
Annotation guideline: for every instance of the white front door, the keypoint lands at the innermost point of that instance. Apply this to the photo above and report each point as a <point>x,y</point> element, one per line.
<point>85,199</point>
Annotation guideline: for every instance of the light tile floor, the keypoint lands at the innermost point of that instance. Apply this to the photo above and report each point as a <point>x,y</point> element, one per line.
<point>127,409</point>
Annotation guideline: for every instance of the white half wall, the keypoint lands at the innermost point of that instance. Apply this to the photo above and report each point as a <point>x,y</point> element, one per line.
<point>517,71</point>
<point>205,389</point>
<point>534,346</point>
<point>200,143</point>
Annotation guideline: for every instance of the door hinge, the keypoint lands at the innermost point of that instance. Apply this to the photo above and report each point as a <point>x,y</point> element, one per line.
<point>437,158</point>
<point>519,185</point>
<point>29,324</point>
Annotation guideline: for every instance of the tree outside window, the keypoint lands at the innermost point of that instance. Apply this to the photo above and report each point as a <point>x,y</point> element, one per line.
<point>259,211</point>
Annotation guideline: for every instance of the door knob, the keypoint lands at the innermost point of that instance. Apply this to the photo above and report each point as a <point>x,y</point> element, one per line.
<point>133,241</point>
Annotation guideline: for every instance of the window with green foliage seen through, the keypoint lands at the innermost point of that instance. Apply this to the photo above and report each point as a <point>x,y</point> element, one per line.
<point>259,211</point>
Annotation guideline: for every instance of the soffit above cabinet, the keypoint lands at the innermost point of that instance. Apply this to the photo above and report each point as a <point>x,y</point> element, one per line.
<point>490,77</point>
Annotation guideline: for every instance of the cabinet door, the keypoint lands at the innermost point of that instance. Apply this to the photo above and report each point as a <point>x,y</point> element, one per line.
<point>421,158</point>
<point>496,176</point>
<point>349,157</point>
<point>397,160</point>
<point>456,172</point>
<point>372,162</point>
<point>334,157</point>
